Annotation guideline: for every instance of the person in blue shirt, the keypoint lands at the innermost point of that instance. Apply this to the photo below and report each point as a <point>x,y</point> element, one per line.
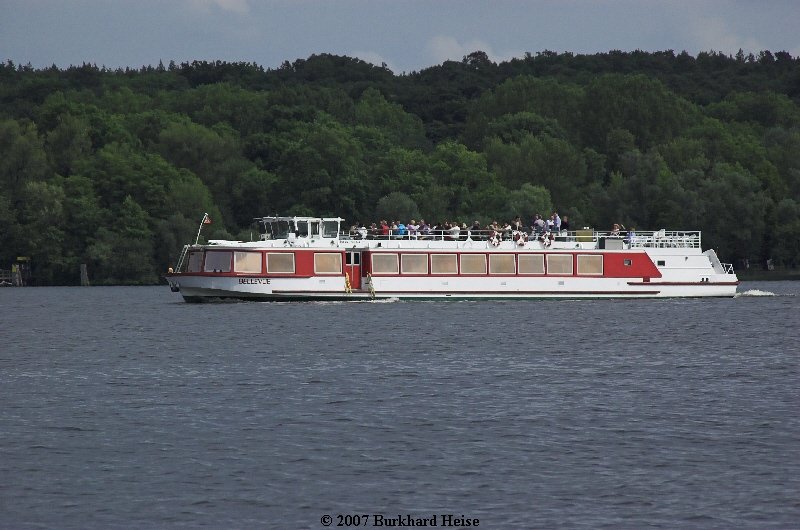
<point>401,229</point>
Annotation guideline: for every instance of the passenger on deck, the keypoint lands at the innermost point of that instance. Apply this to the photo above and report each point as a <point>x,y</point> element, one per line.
<point>565,224</point>
<point>385,228</point>
<point>475,231</point>
<point>507,230</point>
<point>615,231</point>
<point>436,231</point>
<point>401,230</point>
<point>413,229</point>
<point>454,231</point>
<point>424,229</point>
<point>557,222</point>
<point>539,225</point>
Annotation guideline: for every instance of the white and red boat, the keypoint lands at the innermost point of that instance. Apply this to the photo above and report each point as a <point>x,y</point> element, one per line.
<point>312,258</point>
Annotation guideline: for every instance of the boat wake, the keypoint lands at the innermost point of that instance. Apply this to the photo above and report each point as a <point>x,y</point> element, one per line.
<point>385,300</point>
<point>754,292</point>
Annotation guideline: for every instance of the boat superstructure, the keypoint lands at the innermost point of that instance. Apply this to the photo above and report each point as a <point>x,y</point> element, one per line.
<point>312,258</point>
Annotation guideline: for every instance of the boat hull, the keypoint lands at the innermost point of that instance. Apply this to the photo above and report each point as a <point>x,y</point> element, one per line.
<point>203,288</point>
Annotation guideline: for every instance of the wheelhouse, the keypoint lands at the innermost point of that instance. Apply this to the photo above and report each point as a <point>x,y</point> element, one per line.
<point>272,228</point>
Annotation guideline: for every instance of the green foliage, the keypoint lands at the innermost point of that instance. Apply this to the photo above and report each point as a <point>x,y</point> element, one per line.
<point>126,250</point>
<point>23,157</point>
<point>115,168</point>
<point>401,128</point>
<point>397,205</point>
<point>526,201</point>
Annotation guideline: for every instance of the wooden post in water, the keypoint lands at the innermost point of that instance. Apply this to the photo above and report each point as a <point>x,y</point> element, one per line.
<point>84,276</point>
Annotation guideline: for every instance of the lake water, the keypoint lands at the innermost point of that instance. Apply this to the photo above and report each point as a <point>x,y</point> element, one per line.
<point>126,407</point>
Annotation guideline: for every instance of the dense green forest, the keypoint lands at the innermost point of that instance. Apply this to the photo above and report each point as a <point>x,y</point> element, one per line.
<point>114,168</point>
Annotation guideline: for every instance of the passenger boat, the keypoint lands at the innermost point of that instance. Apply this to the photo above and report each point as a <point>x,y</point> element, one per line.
<point>313,258</point>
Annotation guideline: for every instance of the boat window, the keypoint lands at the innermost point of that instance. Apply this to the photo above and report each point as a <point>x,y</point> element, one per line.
<point>282,229</point>
<point>247,262</point>
<point>414,263</point>
<point>592,265</point>
<point>384,264</point>
<point>501,263</point>
<point>218,261</point>
<point>559,264</point>
<point>473,264</point>
<point>444,264</point>
<point>195,262</point>
<point>330,228</point>
<point>327,263</point>
<point>280,262</point>
<point>531,264</point>
<point>275,229</point>
<point>302,228</point>
<point>661,262</point>
<point>314,228</point>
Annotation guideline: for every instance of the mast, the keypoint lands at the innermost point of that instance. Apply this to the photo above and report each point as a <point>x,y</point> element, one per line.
<point>205,221</point>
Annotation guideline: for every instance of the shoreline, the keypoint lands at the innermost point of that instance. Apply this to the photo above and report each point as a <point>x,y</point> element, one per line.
<point>766,276</point>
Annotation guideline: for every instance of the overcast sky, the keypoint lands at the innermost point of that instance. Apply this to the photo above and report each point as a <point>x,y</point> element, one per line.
<point>405,34</point>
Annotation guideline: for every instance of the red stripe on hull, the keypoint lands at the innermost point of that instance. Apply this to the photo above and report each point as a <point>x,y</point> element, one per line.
<point>480,293</point>
<point>682,283</point>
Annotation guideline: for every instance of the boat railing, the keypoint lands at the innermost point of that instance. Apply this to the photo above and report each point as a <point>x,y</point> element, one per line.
<point>430,235</point>
<point>663,239</point>
<point>181,258</point>
<point>727,267</point>
<point>634,239</point>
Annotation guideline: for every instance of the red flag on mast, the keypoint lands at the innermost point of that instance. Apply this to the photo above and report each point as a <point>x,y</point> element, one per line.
<point>207,220</point>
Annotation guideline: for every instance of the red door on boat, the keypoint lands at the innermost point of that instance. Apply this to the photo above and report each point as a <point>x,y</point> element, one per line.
<point>353,268</point>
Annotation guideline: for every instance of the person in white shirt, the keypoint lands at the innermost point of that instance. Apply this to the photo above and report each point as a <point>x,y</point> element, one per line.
<point>454,231</point>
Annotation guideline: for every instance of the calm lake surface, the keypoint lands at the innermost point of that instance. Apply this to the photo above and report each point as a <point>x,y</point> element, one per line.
<point>126,407</point>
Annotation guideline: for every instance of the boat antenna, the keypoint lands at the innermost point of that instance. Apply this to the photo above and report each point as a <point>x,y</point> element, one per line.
<point>206,221</point>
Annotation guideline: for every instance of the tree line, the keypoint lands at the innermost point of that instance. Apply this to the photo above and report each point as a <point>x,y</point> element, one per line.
<point>114,168</point>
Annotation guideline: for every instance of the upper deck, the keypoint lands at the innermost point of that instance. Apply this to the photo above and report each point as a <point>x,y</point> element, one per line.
<point>327,232</point>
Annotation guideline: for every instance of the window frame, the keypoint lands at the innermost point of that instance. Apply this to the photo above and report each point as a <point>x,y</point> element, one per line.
<point>472,257</point>
<point>385,255</point>
<point>531,256</point>
<point>198,261</point>
<point>327,255</point>
<point>421,257</point>
<point>440,256</point>
<point>294,262</point>
<point>217,253</point>
<point>260,262</point>
<point>497,256</point>
<point>592,257</point>
<point>553,257</point>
